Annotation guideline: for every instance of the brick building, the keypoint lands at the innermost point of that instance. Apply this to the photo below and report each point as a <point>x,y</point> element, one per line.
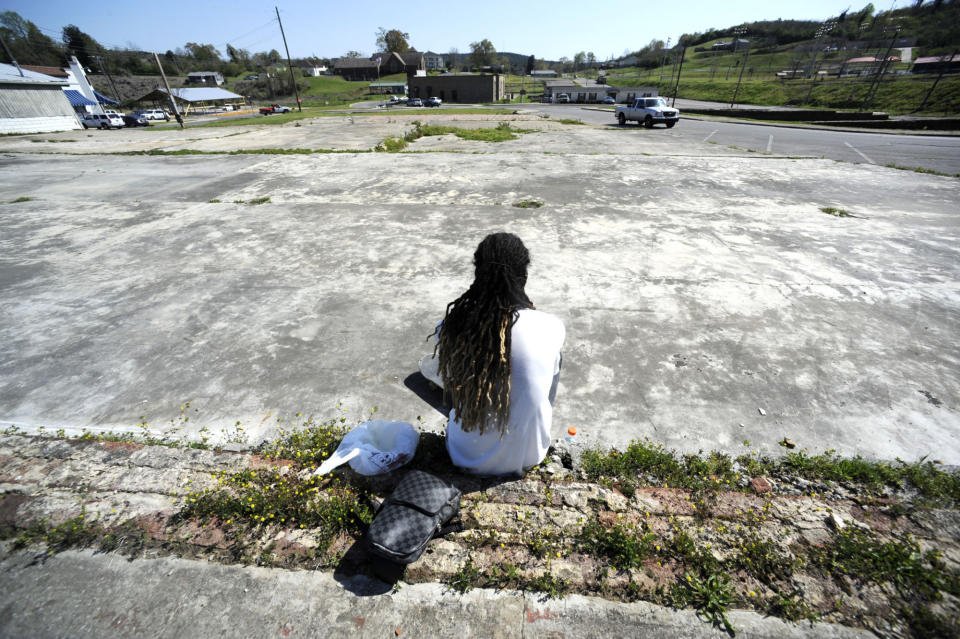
<point>465,87</point>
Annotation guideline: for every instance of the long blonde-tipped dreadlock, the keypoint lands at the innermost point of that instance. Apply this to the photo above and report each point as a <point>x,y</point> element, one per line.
<point>474,341</point>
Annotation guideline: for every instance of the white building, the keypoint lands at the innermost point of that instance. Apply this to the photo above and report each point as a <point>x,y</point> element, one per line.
<point>314,72</point>
<point>32,102</point>
<point>433,60</point>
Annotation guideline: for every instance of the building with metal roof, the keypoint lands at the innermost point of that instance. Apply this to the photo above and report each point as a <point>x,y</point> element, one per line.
<point>32,102</point>
<point>200,99</point>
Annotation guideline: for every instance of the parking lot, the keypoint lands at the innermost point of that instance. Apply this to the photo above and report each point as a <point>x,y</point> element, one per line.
<point>710,301</point>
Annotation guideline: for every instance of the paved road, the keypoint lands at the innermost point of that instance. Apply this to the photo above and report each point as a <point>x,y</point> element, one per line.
<point>938,153</point>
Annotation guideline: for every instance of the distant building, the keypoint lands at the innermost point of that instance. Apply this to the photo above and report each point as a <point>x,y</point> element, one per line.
<point>314,72</point>
<point>463,87</point>
<point>433,61</point>
<point>209,78</point>
<point>594,93</point>
<point>205,99</point>
<point>396,88</point>
<point>729,46</point>
<point>936,63</point>
<point>379,64</point>
<point>354,69</point>
<point>543,73</point>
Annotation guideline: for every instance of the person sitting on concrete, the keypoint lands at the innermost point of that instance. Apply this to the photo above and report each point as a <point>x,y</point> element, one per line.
<point>499,361</point>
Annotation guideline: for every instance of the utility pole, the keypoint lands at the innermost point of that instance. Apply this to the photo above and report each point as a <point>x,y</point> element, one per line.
<point>663,62</point>
<point>742,68</point>
<point>677,87</point>
<point>944,63</point>
<point>116,93</point>
<point>296,91</point>
<point>4,42</point>
<point>875,85</point>
<point>173,102</point>
<point>739,31</point>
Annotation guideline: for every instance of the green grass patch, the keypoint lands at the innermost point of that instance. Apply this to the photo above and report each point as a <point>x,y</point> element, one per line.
<point>917,169</point>
<point>830,210</point>
<point>259,200</point>
<point>568,121</point>
<point>528,204</point>
<point>22,198</point>
<point>647,463</point>
<point>255,498</point>
<point>501,133</point>
<point>863,556</point>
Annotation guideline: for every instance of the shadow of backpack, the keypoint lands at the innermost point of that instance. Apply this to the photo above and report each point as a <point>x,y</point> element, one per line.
<point>421,508</point>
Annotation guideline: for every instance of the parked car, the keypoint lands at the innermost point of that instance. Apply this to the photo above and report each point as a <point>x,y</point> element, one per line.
<point>647,112</point>
<point>102,121</point>
<point>274,108</point>
<point>154,114</point>
<point>609,100</point>
<point>135,120</point>
<point>563,98</point>
<point>433,102</point>
<point>415,102</point>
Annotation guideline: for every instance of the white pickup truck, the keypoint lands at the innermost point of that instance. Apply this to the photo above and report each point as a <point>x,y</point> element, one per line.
<point>648,111</point>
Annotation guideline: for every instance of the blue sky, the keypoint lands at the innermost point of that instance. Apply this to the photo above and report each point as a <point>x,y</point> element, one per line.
<point>329,29</point>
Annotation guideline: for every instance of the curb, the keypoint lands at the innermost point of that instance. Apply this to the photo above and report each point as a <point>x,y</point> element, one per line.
<point>174,598</point>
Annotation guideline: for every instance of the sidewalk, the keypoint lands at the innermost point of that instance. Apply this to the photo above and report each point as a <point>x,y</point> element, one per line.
<point>109,539</point>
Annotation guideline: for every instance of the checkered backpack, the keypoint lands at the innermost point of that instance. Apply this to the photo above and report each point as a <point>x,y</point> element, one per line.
<point>416,512</point>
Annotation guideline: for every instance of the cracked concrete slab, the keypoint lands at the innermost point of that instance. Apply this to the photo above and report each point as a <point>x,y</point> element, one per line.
<point>708,299</point>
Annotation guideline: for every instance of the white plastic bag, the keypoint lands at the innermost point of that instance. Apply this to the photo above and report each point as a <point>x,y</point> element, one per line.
<point>373,448</point>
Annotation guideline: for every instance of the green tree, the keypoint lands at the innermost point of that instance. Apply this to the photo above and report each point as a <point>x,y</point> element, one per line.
<point>531,64</point>
<point>202,52</point>
<point>352,54</point>
<point>28,45</point>
<point>392,40</point>
<point>591,59</point>
<point>578,60</point>
<point>482,54</point>
<point>81,45</point>
<point>240,57</point>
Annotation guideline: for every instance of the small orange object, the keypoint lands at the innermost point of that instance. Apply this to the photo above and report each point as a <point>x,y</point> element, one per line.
<point>572,431</point>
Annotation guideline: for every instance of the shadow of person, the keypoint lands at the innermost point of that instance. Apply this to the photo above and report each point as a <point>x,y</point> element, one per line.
<point>428,392</point>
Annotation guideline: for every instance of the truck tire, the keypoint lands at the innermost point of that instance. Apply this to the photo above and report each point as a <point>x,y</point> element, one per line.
<point>622,119</point>
<point>670,125</point>
<point>648,122</point>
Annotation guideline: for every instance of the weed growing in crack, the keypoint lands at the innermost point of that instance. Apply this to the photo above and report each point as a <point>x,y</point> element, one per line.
<point>710,597</point>
<point>791,607</point>
<point>465,578</point>
<point>831,210</point>
<point>625,546</point>
<point>762,559</point>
